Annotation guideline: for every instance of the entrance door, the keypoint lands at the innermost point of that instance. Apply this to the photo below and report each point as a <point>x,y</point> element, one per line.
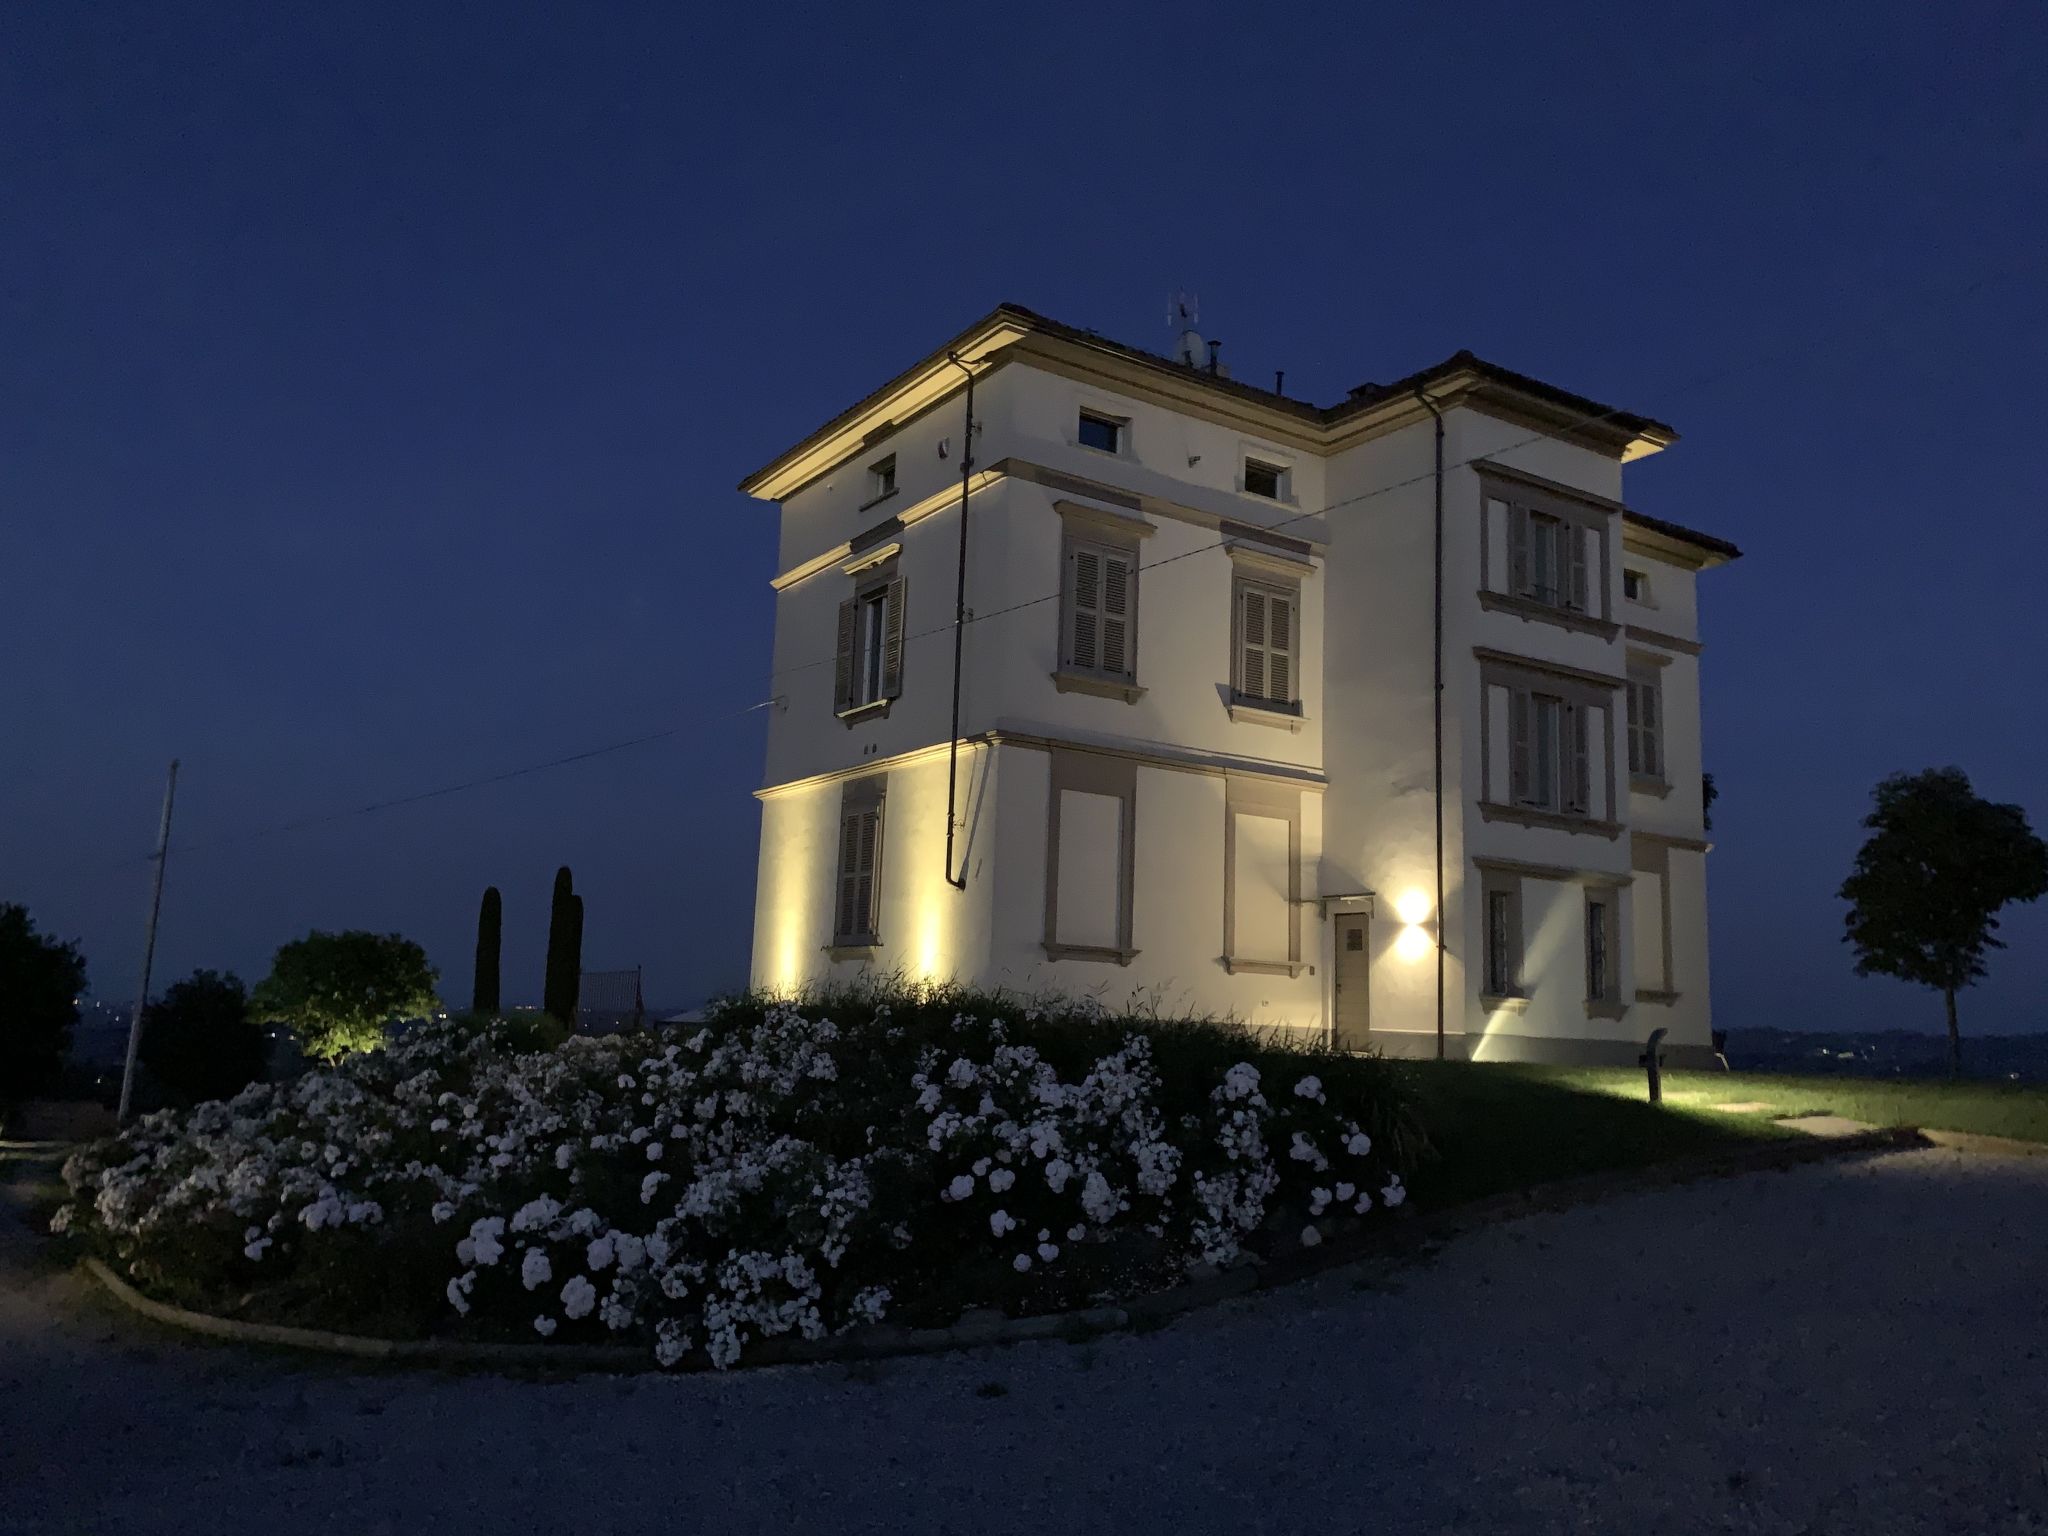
<point>1351,990</point>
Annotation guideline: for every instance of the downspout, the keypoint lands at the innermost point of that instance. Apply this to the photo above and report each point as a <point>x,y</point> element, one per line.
<point>959,626</point>
<point>1437,704</point>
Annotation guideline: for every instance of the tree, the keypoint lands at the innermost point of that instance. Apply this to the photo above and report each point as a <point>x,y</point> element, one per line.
<point>1708,795</point>
<point>564,974</point>
<point>199,1041</point>
<point>1927,886</point>
<point>40,979</point>
<point>342,992</point>
<point>490,931</point>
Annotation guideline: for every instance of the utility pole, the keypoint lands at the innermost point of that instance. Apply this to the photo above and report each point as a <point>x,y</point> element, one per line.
<point>156,901</point>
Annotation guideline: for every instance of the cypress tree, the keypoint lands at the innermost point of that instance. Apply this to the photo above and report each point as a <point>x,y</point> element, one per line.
<point>574,973</point>
<point>558,987</point>
<point>490,926</point>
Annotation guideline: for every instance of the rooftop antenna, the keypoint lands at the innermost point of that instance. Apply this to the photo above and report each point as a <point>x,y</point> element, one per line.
<point>1183,310</point>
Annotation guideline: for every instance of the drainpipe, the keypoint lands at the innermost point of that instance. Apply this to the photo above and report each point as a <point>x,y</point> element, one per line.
<point>1437,702</point>
<point>959,626</point>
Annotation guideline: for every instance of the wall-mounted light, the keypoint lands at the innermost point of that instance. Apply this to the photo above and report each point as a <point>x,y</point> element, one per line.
<point>1412,907</point>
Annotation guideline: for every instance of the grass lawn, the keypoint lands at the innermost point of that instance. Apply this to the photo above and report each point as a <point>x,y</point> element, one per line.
<point>1988,1109</point>
<point>1501,1128</point>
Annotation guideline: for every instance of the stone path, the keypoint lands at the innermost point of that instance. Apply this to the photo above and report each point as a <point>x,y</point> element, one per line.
<point>1850,1346</point>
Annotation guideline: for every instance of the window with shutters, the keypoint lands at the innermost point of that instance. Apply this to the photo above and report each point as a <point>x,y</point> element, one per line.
<point>1645,726</point>
<point>1601,982</point>
<point>1548,559</point>
<point>1501,974</point>
<point>1549,752</point>
<point>1101,609</point>
<point>857,889</point>
<point>870,660</point>
<point>1265,640</point>
<point>1267,480</point>
<point>881,479</point>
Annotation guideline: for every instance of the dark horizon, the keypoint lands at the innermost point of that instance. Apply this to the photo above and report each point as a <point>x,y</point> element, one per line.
<point>374,386</point>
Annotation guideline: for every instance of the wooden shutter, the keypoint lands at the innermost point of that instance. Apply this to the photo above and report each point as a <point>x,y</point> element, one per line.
<point>1279,649</point>
<point>849,633</point>
<point>892,640</point>
<point>1119,587</point>
<point>1518,746</point>
<point>1251,628</point>
<point>848,912</point>
<point>1653,729</point>
<point>1518,550</point>
<point>1635,728</point>
<point>1577,789</point>
<point>869,827</point>
<point>1576,542</point>
<point>1085,600</point>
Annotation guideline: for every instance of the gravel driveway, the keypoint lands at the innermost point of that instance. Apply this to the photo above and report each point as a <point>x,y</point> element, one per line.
<point>1848,1346</point>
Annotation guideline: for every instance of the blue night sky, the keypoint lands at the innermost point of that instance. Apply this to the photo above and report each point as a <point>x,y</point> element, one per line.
<point>374,381</point>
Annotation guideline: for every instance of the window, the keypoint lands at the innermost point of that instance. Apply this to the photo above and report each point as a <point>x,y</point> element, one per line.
<point>1547,558</point>
<point>1635,586</point>
<point>1261,878</point>
<point>1549,752</point>
<point>881,479</point>
<point>870,670</point>
<point>1645,726</point>
<point>1600,921</point>
<point>858,894</point>
<point>1103,432</point>
<point>1089,852</point>
<point>1267,480</point>
<point>1502,975</point>
<point>1102,609</point>
<point>1266,632</point>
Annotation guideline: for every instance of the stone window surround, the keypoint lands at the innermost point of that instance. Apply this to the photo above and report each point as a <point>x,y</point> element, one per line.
<point>1253,797</point>
<point>1094,774</point>
<point>1611,1005</point>
<point>1647,668</point>
<point>1120,533</point>
<point>857,796</point>
<point>1494,881</point>
<point>1652,855</point>
<point>1588,512</point>
<point>1594,690</point>
<point>871,569</point>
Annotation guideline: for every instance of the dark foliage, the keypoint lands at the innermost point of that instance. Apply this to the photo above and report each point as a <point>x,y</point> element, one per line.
<point>40,979</point>
<point>490,932</point>
<point>199,1042</point>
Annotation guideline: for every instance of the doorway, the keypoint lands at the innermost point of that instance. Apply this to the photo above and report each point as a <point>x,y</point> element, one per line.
<point>1351,984</point>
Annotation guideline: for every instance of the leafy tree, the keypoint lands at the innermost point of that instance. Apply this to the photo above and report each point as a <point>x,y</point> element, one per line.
<point>1927,886</point>
<point>199,1042</point>
<point>564,974</point>
<point>342,992</point>
<point>1708,795</point>
<point>40,979</point>
<point>490,932</point>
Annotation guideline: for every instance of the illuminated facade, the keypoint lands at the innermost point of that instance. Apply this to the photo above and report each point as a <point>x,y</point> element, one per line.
<point>1199,763</point>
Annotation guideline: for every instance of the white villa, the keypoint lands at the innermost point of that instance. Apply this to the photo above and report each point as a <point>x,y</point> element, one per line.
<point>1378,719</point>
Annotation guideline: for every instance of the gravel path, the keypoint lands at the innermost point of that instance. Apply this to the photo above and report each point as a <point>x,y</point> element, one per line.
<point>1849,1346</point>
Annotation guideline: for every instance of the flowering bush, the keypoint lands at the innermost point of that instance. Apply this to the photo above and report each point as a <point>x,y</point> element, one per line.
<point>784,1169</point>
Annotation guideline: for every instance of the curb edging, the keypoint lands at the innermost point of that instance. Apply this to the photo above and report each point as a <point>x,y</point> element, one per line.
<point>980,1328</point>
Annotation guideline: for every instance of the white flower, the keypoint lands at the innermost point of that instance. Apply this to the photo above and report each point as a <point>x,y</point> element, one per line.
<point>484,1235</point>
<point>599,1254</point>
<point>1097,1198</point>
<point>1001,1180</point>
<point>1000,1222</point>
<point>544,1326</point>
<point>456,1298</point>
<point>981,1167</point>
<point>649,1185</point>
<point>961,1187</point>
<point>1076,1233</point>
<point>565,1154</point>
<point>579,1297</point>
<point>1057,1173</point>
<point>1345,1192</point>
<point>654,1151</point>
<point>443,1211</point>
<point>1021,1263</point>
<point>1048,1251</point>
<point>1310,1087</point>
<point>1310,1236</point>
<point>1358,1144</point>
<point>536,1271</point>
<point>1393,1194</point>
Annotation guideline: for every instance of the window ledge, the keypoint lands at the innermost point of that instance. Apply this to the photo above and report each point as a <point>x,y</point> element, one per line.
<point>1648,784</point>
<point>1090,952</point>
<point>876,501</point>
<point>1530,816</point>
<point>853,949</point>
<point>1511,1002</point>
<point>1067,680</point>
<point>1662,999</point>
<point>874,710</point>
<point>1264,967</point>
<point>1564,618</point>
<point>1285,717</point>
<point>1601,1008</point>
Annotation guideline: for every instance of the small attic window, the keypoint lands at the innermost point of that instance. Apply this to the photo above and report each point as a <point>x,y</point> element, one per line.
<point>1102,432</point>
<point>1635,585</point>
<point>882,478</point>
<point>1263,479</point>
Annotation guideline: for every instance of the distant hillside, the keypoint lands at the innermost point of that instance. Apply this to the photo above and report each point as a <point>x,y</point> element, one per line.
<point>1892,1053</point>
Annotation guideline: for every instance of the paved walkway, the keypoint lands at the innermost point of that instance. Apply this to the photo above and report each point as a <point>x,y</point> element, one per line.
<point>1855,1346</point>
